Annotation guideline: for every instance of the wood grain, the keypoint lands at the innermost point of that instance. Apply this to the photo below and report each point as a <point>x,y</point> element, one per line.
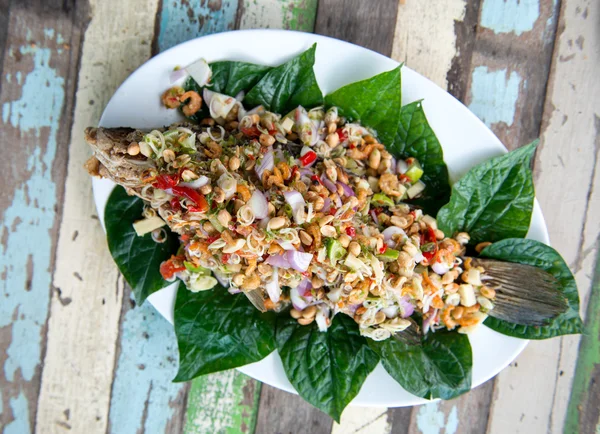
<point>285,413</point>
<point>282,14</point>
<point>369,24</point>
<point>40,43</point>
<point>425,38</point>
<point>567,185</point>
<point>507,84</point>
<point>85,310</point>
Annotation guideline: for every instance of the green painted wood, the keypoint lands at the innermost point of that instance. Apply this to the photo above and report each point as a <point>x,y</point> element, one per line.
<point>583,414</point>
<point>282,14</point>
<point>225,402</point>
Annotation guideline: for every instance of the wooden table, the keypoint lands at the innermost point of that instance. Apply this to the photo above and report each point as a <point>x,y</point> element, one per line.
<point>78,357</point>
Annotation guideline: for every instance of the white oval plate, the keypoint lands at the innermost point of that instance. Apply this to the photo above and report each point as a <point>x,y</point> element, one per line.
<point>465,139</point>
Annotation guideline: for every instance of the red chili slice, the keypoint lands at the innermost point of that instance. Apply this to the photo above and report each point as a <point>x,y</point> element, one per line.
<point>194,196</point>
<point>351,231</point>
<point>341,134</point>
<point>166,181</point>
<point>308,158</point>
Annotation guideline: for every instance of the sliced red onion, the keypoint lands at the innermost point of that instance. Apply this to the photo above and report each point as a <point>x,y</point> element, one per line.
<point>233,290</point>
<point>240,96</point>
<point>200,72</point>
<point>418,257</point>
<point>389,233</point>
<point>347,189</point>
<point>327,183</point>
<point>196,183</point>
<point>221,279</point>
<point>258,204</point>
<point>264,222</point>
<point>267,163</point>
<point>338,202</point>
<point>280,261</point>
<point>299,261</point>
<point>306,172</point>
<point>326,205</point>
<point>299,302</point>
<point>176,75</point>
<point>304,287</point>
<point>401,167</point>
<point>407,307</point>
<point>296,202</point>
<point>440,268</point>
<point>272,286</point>
<point>374,217</point>
<point>427,322</point>
<point>286,245</point>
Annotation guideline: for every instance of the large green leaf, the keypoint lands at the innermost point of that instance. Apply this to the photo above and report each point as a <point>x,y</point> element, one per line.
<point>439,368</point>
<point>375,102</point>
<point>494,200</point>
<point>287,86</point>
<point>217,331</point>
<point>326,368</point>
<point>138,258</point>
<point>415,138</point>
<point>230,78</point>
<point>539,255</point>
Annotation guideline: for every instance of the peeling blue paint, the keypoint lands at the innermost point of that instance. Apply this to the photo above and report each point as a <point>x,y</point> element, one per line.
<point>181,21</point>
<point>494,95</point>
<point>142,387</point>
<point>49,33</point>
<point>28,222</point>
<point>21,424</point>
<point>506,16</point>
<point>431,420</point>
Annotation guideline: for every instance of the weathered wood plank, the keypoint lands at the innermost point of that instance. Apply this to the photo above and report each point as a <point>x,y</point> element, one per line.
<point>425,38</point>
<point>507,83</point>
<point>85,311</point>
<point>37,83</point>
<point>567,186</point>
<point>583,414</point>
<point>363,421</point>
<point>180,20</point>
<point>282,14</point>
<point>282,412</point>
<point>223,402</point>
<point>143,397</point>
<point>467,414</point>
<point>370,24</point>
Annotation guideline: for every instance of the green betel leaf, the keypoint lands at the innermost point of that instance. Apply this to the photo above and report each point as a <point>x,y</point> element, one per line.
<point>287,86</point>
<point>217,331</point>
<point>138,258</point>
<point>439,368</point>
<point>326,368</point>
<point>375,102</point>
<point>494,200</point>
<point>539,255</point>
<point>230,78</point>
<point>415,138</point>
